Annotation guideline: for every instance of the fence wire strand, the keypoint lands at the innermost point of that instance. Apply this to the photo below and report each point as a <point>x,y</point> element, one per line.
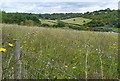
<point>30,73</point>
<point>34,69</point>
<point>47,63</point>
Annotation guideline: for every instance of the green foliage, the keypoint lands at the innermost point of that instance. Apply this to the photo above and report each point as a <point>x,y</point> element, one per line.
<point>118,19</point>
<point>19,18</point>
<point>94,23</point>
<point>29,23</point>
<point>45,25</point>
<point>60,16</point>
<point>59,24</point>
<point>105,17</point>
<point>100,18</point>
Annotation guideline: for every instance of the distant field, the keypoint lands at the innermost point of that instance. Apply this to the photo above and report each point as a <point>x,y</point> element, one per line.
<point>51,22</point>
<point>74,21</point>
<point>77,20</point>
<point>79,53</point>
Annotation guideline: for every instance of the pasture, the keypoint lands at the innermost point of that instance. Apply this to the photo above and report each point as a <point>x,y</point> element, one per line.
<point>82,54</point>
<point>46,21</point>
<point>77,20</point>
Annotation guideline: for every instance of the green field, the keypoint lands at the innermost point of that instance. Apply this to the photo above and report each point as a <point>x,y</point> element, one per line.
<point>46,21</point>
<point>82,54</point>
<point>77,20</point>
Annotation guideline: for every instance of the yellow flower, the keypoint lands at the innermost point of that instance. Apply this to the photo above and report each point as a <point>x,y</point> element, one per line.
<point>3,50</point>
<point>10,44</point>
<point>73,67</point>
<point>68,78</point>
<point>12,67</point>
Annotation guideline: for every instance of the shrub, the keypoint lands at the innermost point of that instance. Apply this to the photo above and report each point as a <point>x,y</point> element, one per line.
<point>45,25</point>
<point>60,24</point>
<point>29,23</point>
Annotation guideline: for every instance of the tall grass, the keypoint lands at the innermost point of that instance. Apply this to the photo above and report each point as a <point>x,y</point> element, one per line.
<point>83,54</point>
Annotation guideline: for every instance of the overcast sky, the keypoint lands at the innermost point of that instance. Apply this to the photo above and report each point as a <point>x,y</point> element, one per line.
<point>56,6</point>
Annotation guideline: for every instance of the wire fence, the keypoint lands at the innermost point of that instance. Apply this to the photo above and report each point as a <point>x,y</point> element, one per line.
<point>17,66</point>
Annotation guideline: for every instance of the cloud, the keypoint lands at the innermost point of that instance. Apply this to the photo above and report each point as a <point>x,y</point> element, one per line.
<point>56,7</point>
<point>59,0</point>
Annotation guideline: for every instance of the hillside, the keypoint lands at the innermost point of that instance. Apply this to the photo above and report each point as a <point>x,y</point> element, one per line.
<point>77,20</point>
<point>78,53</point>
<point>104,17</point>
<point>46,21</point>
<point>107,19</point>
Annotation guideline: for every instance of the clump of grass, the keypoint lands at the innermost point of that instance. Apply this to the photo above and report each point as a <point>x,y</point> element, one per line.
<point>83,54</point>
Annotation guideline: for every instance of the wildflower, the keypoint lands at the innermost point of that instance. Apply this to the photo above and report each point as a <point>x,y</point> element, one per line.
<point>5,67</point>
<point>66,66</point>
<point>3,50</point>
<point>48,62</point>
<point>68,78</point>
<point>12,67</point>
<point>11,45</point>
<point>96,49</point>
<point>73,67</point>
<point>55,77</point>
<point>75,57</point>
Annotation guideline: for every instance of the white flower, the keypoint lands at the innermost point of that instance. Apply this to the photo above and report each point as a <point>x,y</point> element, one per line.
<point>66,66</point>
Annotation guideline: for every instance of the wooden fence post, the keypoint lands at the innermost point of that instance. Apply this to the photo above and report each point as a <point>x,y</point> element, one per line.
<point>18,66</point>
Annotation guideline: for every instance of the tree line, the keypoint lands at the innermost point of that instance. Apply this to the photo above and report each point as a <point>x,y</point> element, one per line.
<point>20,18</point>
<point>99,18</point>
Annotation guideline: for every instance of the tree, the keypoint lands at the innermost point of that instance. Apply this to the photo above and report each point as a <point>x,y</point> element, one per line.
<point>94,23</point>
<point>45,25</point>
<point>73,19</point>
<point>60,24</point>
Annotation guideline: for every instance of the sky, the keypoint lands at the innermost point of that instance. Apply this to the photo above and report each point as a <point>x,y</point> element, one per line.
<point>57,6</point>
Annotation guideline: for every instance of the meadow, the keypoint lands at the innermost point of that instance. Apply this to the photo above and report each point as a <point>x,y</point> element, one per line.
<point>82,54</point>
<point>77,20</point>
<point>46,21</point>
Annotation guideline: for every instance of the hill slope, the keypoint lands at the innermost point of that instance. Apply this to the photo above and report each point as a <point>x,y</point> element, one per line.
<point>77,20</point>
<point>104,17</point>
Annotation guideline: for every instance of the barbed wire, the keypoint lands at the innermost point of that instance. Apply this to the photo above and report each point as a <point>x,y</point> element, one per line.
<point>34,68</point>
<point>48,64</point>
<point>11,64</point>
<point>30,73</point>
